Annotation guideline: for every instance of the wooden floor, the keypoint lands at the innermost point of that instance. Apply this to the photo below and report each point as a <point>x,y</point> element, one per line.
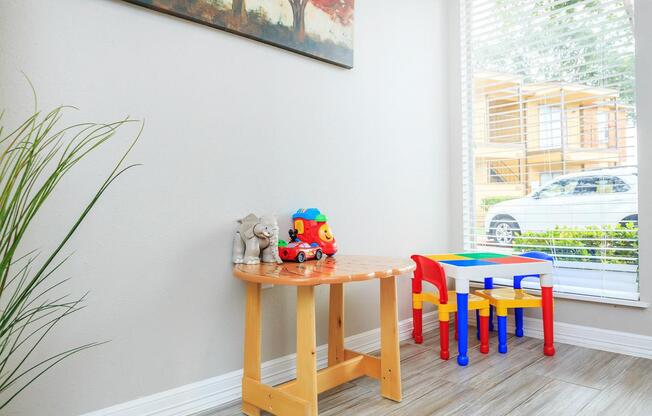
<point>577,381</point>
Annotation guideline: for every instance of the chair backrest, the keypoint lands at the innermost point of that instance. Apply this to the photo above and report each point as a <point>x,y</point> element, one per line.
<point>537,255</point>
<point>533,255</point>
<point>430,271</point>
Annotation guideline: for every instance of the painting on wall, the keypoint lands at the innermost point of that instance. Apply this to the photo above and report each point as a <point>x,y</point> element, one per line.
<point>321,29</point>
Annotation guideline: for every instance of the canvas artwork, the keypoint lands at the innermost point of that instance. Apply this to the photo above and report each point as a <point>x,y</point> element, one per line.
<point>321,29</point>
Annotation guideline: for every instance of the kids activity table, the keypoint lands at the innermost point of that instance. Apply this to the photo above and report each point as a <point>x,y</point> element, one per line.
<point>464,267</point>
<point>299,396</point>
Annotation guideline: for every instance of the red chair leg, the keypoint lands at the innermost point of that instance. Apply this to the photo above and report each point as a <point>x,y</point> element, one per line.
<point>484,334</point>
<point>444,352</point>
<point>548,319</point>
<point>417,325</point>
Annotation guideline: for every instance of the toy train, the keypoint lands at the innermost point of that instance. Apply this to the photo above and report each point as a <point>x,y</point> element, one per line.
<point>310,238</point>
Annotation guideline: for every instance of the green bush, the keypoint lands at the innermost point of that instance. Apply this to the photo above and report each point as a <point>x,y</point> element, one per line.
<point>493,200</point>
<point>607,244</point>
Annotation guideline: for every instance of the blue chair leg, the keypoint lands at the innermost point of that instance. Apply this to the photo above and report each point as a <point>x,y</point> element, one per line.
<point>491,318</point>
<point>518,320</point>
<point>502,334</point>
<point>518,312</point>
<point>489,284</point>
<point>477,323</point>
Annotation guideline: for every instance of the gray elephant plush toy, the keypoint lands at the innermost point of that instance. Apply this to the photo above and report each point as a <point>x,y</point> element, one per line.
<point>256,236</point>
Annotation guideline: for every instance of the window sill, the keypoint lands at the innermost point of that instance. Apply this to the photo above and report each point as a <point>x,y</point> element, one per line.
<point>583,298</point>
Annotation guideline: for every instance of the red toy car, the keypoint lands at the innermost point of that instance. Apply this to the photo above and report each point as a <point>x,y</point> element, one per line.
<point>298,251</point>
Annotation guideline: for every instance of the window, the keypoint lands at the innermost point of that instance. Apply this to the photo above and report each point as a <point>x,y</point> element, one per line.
<point>601,185</point>
<point>549,131</point>
<point>603,127</point>
<point>495,176</point>
<point>501,172</point>
<point>587,185</point>
<point>563,187</point>
<point>612,184</point>
<point>545,177</point>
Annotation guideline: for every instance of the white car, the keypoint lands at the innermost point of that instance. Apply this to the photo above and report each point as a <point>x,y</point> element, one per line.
<point>590,198</point>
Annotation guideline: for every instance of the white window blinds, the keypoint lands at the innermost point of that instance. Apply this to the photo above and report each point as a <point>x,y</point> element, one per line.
<point>549,130</point>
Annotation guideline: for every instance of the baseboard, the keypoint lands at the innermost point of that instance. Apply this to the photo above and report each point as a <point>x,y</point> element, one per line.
<point>202,396</point>
<point>588,337</point>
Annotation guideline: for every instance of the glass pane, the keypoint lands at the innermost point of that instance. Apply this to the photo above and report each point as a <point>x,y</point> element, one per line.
<point>550,137</point>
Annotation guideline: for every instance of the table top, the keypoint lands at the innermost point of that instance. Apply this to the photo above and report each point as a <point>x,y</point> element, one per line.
<point>338,269</point>
<point>481,265</point>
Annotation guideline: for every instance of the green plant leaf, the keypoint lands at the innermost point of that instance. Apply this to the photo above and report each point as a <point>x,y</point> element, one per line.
<point>35,157</point>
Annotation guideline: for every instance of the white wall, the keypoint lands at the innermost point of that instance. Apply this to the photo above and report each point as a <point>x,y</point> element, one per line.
<point>232,126</point>
<point>612,317</point>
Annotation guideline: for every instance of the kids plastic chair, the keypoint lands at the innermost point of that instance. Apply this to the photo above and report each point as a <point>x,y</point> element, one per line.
<point>512,298</point>
<point>430,271</point>
<point>518,312</point>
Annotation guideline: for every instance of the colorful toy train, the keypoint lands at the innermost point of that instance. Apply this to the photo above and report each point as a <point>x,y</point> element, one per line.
<point>312,227</point>
<point>310,237</point>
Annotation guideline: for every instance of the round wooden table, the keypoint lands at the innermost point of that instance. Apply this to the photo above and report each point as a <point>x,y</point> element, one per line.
<point>299,396</point>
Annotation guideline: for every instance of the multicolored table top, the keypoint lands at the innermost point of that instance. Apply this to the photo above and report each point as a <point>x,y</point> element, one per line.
<point>483,264</point>
<point>480,259</point>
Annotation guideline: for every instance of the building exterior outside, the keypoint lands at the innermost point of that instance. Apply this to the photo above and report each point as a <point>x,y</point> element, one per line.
<point>525,134</point>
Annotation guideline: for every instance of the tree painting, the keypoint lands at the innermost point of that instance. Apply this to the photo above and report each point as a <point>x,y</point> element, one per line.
<point>298,19</point>
<point>239,11</point>
<point>338,10</point>
<point>321,29</point>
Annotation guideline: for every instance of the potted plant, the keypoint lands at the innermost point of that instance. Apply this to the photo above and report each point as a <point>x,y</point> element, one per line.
<point>34,158</point>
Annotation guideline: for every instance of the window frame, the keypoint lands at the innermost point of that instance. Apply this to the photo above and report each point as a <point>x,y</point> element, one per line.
<point>549,127</point>
<point>469,161</point>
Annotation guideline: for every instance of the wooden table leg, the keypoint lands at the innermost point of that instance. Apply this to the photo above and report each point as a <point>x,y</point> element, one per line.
<point>251,368</point>
<point>306,348</point>
<point>336,324</point>
<point>390,358</point>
